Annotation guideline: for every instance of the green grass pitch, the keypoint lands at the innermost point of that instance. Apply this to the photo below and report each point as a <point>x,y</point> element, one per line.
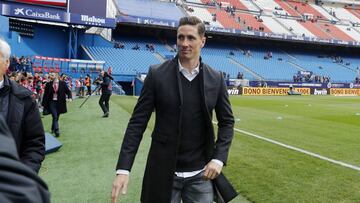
<point>83,169</point>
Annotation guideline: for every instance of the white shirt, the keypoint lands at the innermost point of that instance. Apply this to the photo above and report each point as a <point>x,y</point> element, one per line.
<point>190,76</point>
<point>1,84</point>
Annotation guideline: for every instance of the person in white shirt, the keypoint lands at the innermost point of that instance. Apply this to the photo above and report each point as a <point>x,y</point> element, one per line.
<point>184,156</point>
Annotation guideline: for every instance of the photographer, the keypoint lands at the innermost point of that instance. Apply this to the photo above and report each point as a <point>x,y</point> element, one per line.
<point>106,90</point>
<point>97,83</point>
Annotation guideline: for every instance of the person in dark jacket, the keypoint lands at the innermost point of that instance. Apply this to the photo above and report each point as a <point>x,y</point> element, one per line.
<point>21,113</point>
<point>18,183</point>
<point>54,100</point>
<point>185,156</point>
<point>106,90</point>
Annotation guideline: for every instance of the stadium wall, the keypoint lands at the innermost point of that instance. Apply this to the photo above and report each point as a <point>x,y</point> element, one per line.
<point>4,25</point>
<point>13,38</point>
<point>51,41</point>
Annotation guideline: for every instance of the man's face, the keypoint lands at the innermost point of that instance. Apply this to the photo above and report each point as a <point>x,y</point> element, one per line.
<point>189,42</point>
<point>4,65</point>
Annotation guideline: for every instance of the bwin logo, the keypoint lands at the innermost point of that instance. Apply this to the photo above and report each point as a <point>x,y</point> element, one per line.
<point>19,11</point>
<point>233,91</point>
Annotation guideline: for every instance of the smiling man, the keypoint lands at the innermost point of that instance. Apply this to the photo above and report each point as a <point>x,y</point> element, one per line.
<point>184,156</point>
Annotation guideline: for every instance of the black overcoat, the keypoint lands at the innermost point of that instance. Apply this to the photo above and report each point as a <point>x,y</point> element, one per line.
<point>162,92</point>
<point>18,183</point>
<point>63,90</point>
<point>26,126</point>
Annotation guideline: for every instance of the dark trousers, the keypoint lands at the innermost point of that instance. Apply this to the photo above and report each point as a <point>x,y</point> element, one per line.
<point>104,102</point>
<point>192,190</point>
<point>55,115</point>
<point>88,90</point>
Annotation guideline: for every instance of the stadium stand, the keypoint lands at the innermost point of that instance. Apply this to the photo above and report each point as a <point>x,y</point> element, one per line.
<point>152,9</point>
<point>316,30</point>
<point>271,7</point>
<point>340,13</point>
<point>335,32</point>
<point>127,62</point>
<point>236,3</point>
<point>351,32</point>
<point>295,27</point>
<point>204,15</point>
<point>273,16</point>
<point>323,66</point>
<point>306,9</point>
<point>250,5</point>
<point>291,11</point>
<point>275,26</point>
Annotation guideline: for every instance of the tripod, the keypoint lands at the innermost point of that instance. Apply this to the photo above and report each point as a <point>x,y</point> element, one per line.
<point>95,90</point>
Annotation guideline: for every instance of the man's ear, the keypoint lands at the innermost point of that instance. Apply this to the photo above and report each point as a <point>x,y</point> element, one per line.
<point>203,41</point>
<point>7,63</point>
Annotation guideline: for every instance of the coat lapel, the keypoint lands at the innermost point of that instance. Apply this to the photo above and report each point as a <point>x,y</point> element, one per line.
<point>203,78</point>
<point>176,69</point>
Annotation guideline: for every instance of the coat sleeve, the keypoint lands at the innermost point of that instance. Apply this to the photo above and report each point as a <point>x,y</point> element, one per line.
<point>67,91</point>
<point>45,100</point>
<point>18,182</point>
<point>137,123</point>
<point>32,151</point>
<point>225,119</point>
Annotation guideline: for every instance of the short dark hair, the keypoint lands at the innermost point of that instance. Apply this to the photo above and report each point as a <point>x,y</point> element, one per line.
<point>192,20</point>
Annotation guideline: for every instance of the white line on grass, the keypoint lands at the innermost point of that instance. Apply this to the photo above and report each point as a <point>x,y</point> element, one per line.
<point>299,150</point>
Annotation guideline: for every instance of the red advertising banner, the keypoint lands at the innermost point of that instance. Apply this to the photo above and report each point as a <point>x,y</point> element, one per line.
<point>61,3</point>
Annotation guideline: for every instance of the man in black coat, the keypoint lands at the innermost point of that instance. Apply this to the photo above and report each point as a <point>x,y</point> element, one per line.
<point>184,156</point>
<point>18,183</point>
<point>54,100</point>
<point>22,115</point>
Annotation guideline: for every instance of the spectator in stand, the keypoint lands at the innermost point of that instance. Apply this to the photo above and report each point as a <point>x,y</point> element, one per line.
<point>240,75</point>
<point>174,48</point>
<point>214,17</point>
<point>248,53</point>
<point>119,45</point>
<point>54,100</point>
<point>21,112</point>
<point>136,47</point>
<point>151,48</point>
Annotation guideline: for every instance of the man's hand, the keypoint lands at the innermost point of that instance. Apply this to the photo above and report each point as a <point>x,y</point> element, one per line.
<point>119,185</point>
<point>212,170</point>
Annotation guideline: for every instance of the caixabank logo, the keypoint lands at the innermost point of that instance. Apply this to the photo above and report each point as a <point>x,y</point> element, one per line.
<point>30,13</point>
<point>33,12</point>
